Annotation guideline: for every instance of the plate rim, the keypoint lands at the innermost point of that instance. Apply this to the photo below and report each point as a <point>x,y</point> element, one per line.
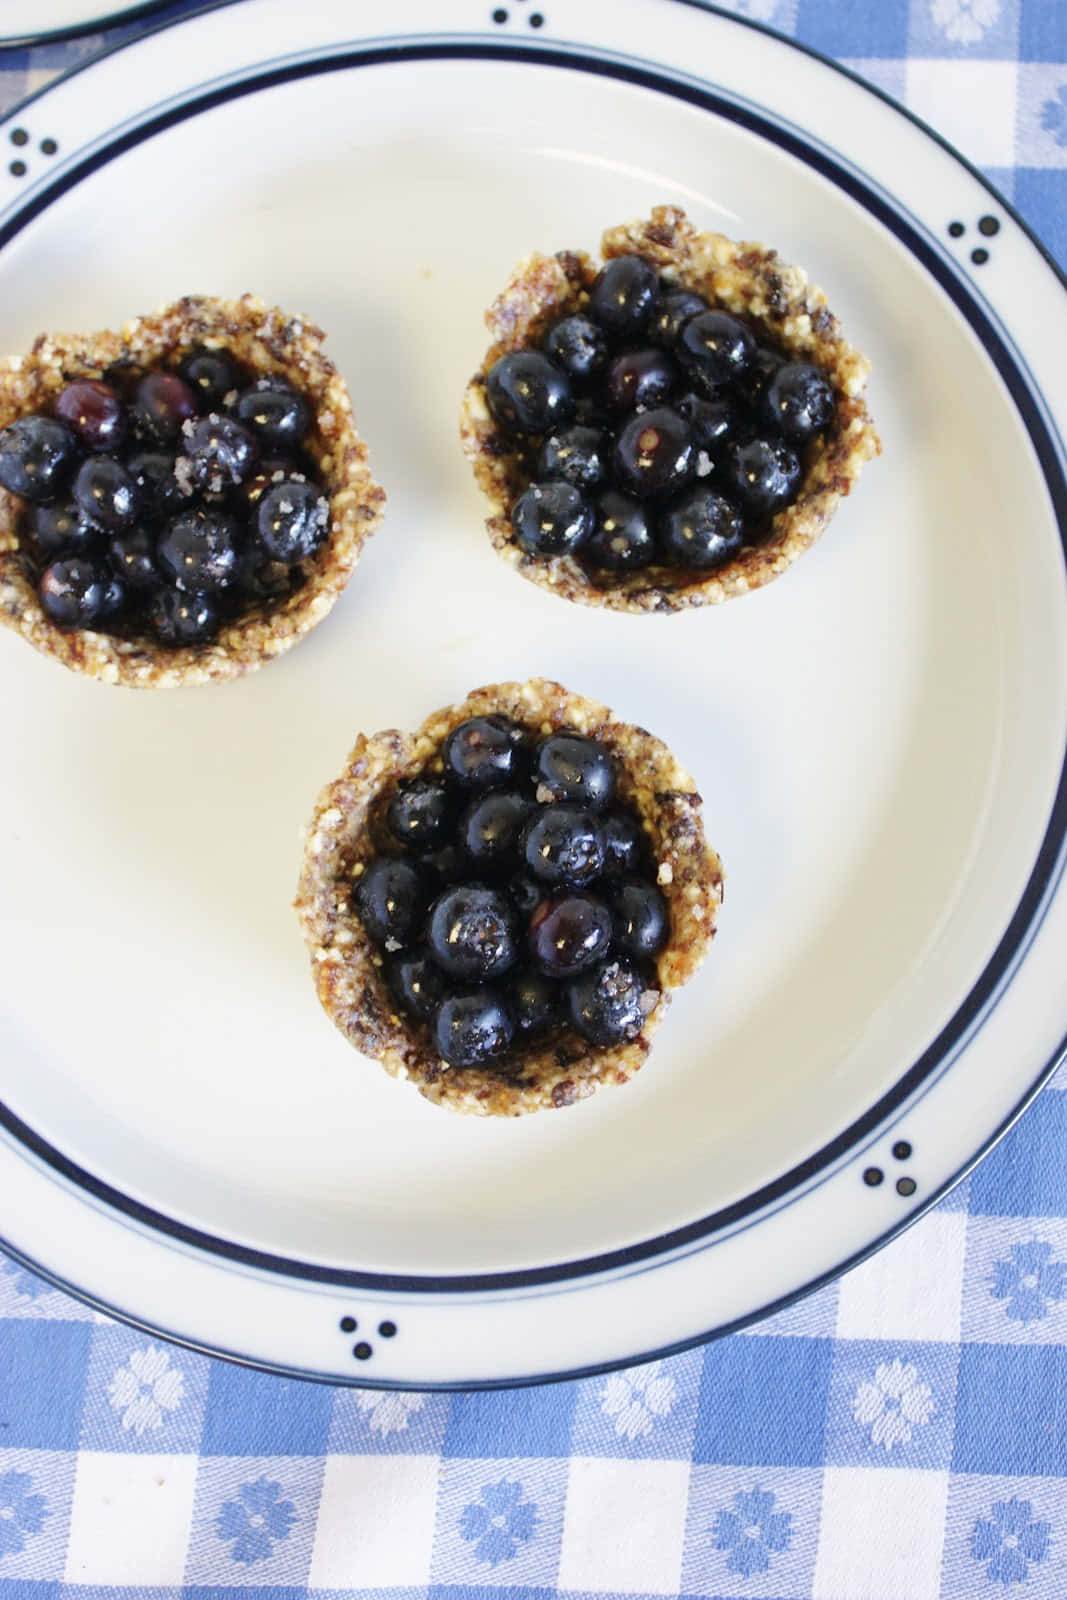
<point>113,18</point>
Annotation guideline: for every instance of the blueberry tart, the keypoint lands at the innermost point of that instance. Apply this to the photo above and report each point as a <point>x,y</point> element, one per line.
<point>180,501</point>
<point>498,906</point>
<point>668,429</point>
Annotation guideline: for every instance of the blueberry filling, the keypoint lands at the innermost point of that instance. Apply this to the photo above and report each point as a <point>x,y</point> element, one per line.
<point>654,430</point>
<point>513,895</point>
<point>163,504</point>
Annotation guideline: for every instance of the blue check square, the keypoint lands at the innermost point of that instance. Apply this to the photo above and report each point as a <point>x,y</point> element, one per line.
<point>24,1294</point>
<point>891,1404</point>
<point>1041,31</point>
<point>1041,196</point>
<point>29,1589</point>
<point>861,28</point>
<point>480,1425</point>
<point>42,1380</point>
<point>763,1402</point>
<point>255,1414</point>
<point>1011,1410</point>
<point>1026,1175</point>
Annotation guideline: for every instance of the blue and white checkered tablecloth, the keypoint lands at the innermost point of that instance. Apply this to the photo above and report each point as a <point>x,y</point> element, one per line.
<point>900,1436</point>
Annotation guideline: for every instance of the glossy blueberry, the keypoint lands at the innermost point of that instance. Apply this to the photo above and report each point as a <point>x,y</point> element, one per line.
<point>701,531</point>
<point>471,932</point>
<point>639,378</point>
<point>674,311</point>
<point>578,456</point>
<point>568,766</point>
<point>798,401</point>
<point>551,519</point>
<point>624,296</point>
<point>183,619</point>
<point>159,494</point>
<point>622,539</point>
<point>73,592</point>
<point>569,935</point>
<point>624,842</point>
<point>489,829</point>
<point>223,452</point>
<point>390,899</point>
<point>211,375</point>
<point>640,919</point>
<point>527,394</point>
<point>62,526</point>
<point>277,414</point>
<point>763,474</point>
<point>606,1004</point>
<point>715,349</point>
<point>416,983</point>
<point>35,456</point>
<point>654,454</point>
<point>470,1029</point>
<point>94,412</point>
<point>712,423</point>
<point>484,752</point>
<point>161,403</point>
<point>561,844</point>
<point>292,520</point>
<point>535,1001</point>
<point>198,550</point>
<point>268,472</point>
<point>419,813</point>
<point>133,559</point>
<point>577,346</point>
<point>115,602</point>
<point>105,493</point>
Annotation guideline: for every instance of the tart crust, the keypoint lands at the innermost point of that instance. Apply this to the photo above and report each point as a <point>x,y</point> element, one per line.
<point>268,342</point>
<point>744,278</point>
<point>341,838</point>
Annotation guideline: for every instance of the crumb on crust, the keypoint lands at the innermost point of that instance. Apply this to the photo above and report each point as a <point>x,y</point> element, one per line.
<point>268,342</point>
<point>347,967</point>
<point>744,278</point>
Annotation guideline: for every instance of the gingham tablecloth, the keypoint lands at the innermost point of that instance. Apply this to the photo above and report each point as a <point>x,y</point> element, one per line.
<point>900,1436</point>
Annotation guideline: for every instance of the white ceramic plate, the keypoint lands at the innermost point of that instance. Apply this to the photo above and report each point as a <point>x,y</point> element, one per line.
<point>879,736</point>
<point>27,22</point>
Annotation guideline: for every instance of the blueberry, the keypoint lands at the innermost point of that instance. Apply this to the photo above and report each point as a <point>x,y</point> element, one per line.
<point>259,577</point>
<point>701,531</point>
<point>764,474</point>
<point>640,919</point>
<point>535,1001</point>
<point>568,766</point>
<point>62,526</point>
<point>198,550</point>
<point>416,984</point>
<point>624,842</point>
<point>567,936</point>
<point>753,382</point>
<point>73,593</point>
<point>577,456</point>
<point>183,619</point>
<point>292,520</point>
<point>115,602</point>
<point>605,1004</point>
<point>133,559</point>
<point>551,519</point>
<point>161,403</point>
<point>712,423</point>
<point>211,375</point>
<point>419,812</point>
<point>35,455</point>
<point>622,538</point>
<point>639,378</point>
<point>526,893</point>
<point>278,415</point>
<point>577,346</point>
<point>798,401</point>
<point>527,394</point>
<point>489,829</point>
<point>561,844</point>
<point>472,1028</point>
<point>222,451</point>
<point>105,493</point>
<point>159,494</point>
<point>624,296</point>
<point>471,932</point>
<point>654,454</point>
<point>390,900</point>
<point>270,470</point>
<point>94,412</point>
<point>675,310</point>
<point>715,349</point>
<point>484,752</point>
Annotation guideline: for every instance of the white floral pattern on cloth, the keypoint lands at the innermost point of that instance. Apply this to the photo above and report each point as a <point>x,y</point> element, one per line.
<point>636,1397</point>
<point>24,1283</point>
<point>146,1389</point>
<point>893,1404</point>
<point>388,1413</point>
<point>964,21</point>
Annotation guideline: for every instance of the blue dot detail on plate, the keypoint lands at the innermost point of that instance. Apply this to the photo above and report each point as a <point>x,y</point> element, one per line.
<point>387,1330</point>
<point>362,1351</point>
<point>980,256</point>
<point>17,169</point>
<point>873,1176</point>
<point>989,226</point>
<point>48,147</point>
<point>19,136</point>
<point>956,230</point>
<point>906,1187</point>
<point>902,1150</point>
<point>349,1324</point>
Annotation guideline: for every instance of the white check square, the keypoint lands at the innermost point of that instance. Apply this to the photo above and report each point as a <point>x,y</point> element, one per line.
<point>376,1522</point>
<point>910,1290</point>
<point>624,1526</point>
<point>880,1535</point>
<point>130,1519</point>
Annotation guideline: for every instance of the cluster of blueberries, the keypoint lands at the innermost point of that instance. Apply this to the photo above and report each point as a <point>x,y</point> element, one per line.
<point>161,503</point>
<point>655,430</point>
<point>517,895</point>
